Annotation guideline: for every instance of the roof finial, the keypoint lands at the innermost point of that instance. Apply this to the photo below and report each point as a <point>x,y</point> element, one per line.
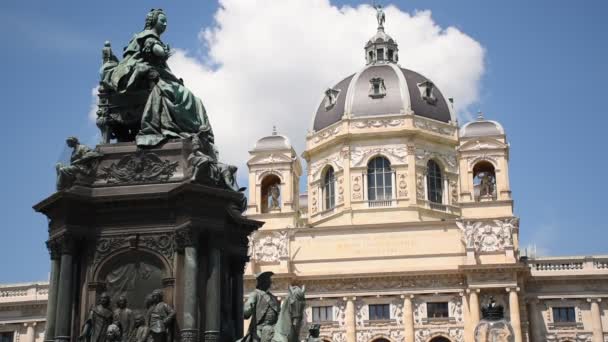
<point>480,115</point>
<point>380,16</point>
<point>274,130</point>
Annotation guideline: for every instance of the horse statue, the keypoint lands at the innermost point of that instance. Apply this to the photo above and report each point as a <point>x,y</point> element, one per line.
<point>290,318</point>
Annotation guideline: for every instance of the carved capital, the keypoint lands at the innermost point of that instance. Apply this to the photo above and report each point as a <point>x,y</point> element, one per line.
<point>63,244</point>
<point>54,248</point>
<point>184,237</point>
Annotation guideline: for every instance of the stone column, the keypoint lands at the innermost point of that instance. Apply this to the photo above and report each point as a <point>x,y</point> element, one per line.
<point>63,314</point>
<point>514,311</point>
<point>189,331</point>
<point>596,320</point>
<point>351,321</point>
<point>468,330</point>
<point>30,335</point>
<point>408,318</point>
<point>49,332</point>
<point>535,324</point>
<point>213,295</point>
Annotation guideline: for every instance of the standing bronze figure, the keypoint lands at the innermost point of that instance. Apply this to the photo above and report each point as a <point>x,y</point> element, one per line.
<point>99,319</point>
<point>123,317</point>
<point>160,318</point>
<point>263,309</point>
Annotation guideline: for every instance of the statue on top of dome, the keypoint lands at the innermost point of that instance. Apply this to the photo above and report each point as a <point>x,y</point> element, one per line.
<point>380,16</point>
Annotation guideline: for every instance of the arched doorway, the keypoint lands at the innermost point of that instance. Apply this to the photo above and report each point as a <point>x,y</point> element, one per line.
<point>440,339</point>
<point>381,340</point>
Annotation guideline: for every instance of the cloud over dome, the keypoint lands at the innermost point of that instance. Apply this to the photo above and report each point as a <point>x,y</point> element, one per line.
<point>268,62</point>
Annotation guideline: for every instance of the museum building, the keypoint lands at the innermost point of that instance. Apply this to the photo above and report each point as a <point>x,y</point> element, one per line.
<point>406,228</point>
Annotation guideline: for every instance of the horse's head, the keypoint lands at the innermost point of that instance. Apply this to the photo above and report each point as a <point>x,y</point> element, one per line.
<point>296,301</point>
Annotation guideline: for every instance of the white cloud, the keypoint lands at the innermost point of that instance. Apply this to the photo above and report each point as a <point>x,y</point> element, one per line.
<point>269,61</point>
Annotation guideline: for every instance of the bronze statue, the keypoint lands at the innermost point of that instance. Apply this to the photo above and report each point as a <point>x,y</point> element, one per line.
<point>82,168</point>
<point>380,16</point>
<point>160,318</point>
<point>97,323</point>
<point>263,309</point>
<point>275,193</point>
<point>113,333</point>
<point>313,333</point>
<point>140,330</point>
<point>123,317</point>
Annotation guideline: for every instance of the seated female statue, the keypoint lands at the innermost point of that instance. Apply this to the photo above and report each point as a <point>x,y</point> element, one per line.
<point>172,111</point>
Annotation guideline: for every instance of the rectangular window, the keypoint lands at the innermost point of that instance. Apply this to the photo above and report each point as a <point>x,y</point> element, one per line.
<point>564,315</point>
<point>379,312</point>
<point>437,310</point>
<point>322,313</point>
<point>6,336</point>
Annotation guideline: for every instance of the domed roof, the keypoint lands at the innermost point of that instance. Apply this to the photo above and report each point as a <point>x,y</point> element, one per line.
<point>481,128</point>
<point>382,89</point>
<point>272,142</point>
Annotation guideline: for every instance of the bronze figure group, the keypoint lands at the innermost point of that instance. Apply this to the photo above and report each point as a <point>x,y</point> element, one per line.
<point>125,325</point>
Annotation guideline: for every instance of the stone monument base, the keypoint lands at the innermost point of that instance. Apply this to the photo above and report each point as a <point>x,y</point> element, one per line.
<point>142,224</point>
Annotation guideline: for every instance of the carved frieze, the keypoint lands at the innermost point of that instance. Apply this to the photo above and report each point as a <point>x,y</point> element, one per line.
<point>161,243</point>
<point>397,310</point>
<point>340,312</point>
<point>488,236</point>
<point>361,312</point>
<point>396,153</point>
<point>393,333</point>
<point>269,247</point>
<point>314,201</point>
<point>142,167</point>
<point>341,190</point>
<point>426,334</point>
<point>433,127</point>
<point>327,133</point>
<point>377,123</point>
<point>454,191</point>
<point>419,310</point>
<point>455,308</point>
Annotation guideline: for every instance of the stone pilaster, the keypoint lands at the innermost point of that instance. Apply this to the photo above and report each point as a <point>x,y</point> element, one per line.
<point>351,323</point>
<point>408,318</point>
<point>514,311</point>
<point>596,320</point>
<point>30,335</point>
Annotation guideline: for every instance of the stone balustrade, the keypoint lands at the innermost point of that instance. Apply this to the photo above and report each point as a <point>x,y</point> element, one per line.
<point>548,266</point>
<point>24,292</point>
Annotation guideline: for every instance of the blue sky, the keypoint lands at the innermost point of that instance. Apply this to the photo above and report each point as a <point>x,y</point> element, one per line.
<point>545,68</point>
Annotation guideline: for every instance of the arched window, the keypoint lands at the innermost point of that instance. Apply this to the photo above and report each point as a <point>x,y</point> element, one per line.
<point>329,189</point>
<point>381,340</point>
<point>434,182</point>
<point>484,181</point>
<point>379,180</point>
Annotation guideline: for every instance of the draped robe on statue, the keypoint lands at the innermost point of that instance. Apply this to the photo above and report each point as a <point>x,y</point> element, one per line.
<point>172,111</point>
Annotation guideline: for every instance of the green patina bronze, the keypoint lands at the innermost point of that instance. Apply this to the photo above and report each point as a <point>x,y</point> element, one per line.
<point>171,110</point>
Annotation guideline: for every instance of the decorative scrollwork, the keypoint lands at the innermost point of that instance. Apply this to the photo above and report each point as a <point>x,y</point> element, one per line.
<point>139,168</point>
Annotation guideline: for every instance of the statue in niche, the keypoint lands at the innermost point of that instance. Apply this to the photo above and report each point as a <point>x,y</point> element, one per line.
<point>486,185</point>
<point>160,318</point>
<point>82,168</point>
<point>275,193</point>
<point>142,100</point>
<point>123,317</point>
<point>99,319</point>
<point>113,333</point>
<point>140,330</point>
